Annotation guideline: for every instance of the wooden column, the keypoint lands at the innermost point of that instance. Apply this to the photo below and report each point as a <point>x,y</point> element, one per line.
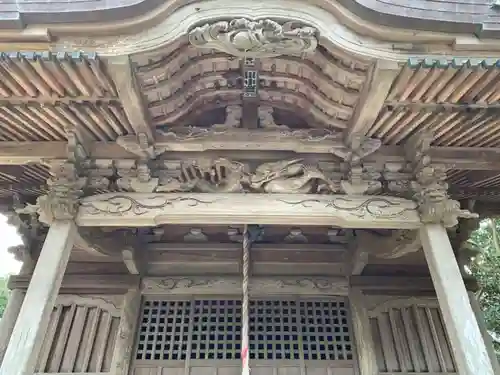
<point>471,355</point>
<point>29,331</point>
<point>484,331</point>
<point>122,354</point>
<point>13,308</point>
<point>362,333</point>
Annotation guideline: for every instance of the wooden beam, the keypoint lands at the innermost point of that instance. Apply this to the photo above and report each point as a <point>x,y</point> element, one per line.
<point>31,325</point>
<point>259,286</point>
<point>231,142</point>
<point>372,98</point>
<point>129,93</point>
<point>80,284</point>
<point>151,209</point>
<point>468,345</point>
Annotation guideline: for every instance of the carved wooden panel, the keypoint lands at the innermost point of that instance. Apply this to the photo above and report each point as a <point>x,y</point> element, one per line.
<point>410,337</point>
<point>285,334</point>
<point>81,335</point>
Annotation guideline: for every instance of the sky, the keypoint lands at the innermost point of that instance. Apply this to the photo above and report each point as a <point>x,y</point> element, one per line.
<point>8,237</point>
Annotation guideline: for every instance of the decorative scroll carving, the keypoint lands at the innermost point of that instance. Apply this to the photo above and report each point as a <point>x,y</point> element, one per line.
<point>270,138</point>
<point>291,176</point>
<point>140,209</point>
<point>430,187</point>
<point>377,207</point>
<point>258,286</point>
<point>400,243</point>
<point>359,180</point>
<point>121,204</point>
<point>258,39</point>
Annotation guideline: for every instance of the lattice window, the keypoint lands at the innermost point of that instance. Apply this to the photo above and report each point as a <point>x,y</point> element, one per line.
<point>211,329</point>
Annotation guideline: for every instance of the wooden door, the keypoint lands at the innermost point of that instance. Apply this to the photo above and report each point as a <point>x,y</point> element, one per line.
<point>202,336</point>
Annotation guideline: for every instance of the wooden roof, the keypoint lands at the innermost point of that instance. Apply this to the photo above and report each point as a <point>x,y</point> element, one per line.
<point>46,95</point>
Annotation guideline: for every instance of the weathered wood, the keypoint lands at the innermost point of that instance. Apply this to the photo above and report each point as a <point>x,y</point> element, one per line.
<point>468,345</point>
<point>406,285</point>
<point>259,286</point>
<point>365,346</point>
<point>143,209</point>
<point>373,97</point>
<point>122,354</point>
<point>27,337</point>
<point>9,318</point>
<point>484,331</point>
<point>129,94</point>
<point>79,284</point>
<point>461,158</point>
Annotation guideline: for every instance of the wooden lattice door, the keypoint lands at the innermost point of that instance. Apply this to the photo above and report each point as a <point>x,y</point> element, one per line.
<point>194,336</point>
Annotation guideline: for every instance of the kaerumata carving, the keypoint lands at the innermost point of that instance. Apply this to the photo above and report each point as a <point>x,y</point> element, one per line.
<point>259,39</point>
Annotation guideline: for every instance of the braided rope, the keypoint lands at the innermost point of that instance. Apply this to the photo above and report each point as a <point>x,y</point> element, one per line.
<point>245,368</point>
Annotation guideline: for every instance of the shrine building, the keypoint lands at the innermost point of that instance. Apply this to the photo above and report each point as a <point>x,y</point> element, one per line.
<point>245,187</point>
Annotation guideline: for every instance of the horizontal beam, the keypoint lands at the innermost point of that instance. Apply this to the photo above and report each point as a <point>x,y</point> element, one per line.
<point>143,209</point>
<point>398,285</point>
<point>259,286</point>
<point>466,158</point>
<point>84,284</point>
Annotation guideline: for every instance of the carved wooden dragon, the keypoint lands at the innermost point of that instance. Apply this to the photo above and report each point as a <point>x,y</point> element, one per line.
<point>292,176</point>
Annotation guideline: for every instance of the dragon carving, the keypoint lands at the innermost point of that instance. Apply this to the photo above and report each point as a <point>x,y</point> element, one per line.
<point>292,176</point>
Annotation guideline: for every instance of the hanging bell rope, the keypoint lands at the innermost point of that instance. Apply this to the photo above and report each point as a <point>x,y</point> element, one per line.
<point>251,234</point>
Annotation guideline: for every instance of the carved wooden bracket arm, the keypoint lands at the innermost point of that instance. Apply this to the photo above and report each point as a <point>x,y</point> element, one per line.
<point>430,187</point>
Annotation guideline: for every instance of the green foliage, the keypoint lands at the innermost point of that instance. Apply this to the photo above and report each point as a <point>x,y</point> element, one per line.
<point>486,269</point>
<point>4,294</point>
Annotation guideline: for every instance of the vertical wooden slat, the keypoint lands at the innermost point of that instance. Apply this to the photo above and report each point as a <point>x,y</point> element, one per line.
<point>423,338</point>
<point>106,327</point>
<point>399,344</point>
<point>411,339</point>
<point>73,342</point>
<point>62,339</point>
<point>49,338</point>
<point>435,339</point>
<point>91,339</point>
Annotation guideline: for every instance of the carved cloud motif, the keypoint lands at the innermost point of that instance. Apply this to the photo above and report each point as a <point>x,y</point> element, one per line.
<point>258,39</point>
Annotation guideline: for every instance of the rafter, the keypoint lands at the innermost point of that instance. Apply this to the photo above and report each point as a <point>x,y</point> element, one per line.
<point>372,98</point>
<point>129,93</point>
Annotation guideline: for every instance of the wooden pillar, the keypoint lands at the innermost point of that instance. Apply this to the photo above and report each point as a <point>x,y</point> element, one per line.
<point>471,355</point>
<point>13,308</point>
<point>484,331</point>
<point>122,354</point>
<point>31,325</point>
<point>365,347</point>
